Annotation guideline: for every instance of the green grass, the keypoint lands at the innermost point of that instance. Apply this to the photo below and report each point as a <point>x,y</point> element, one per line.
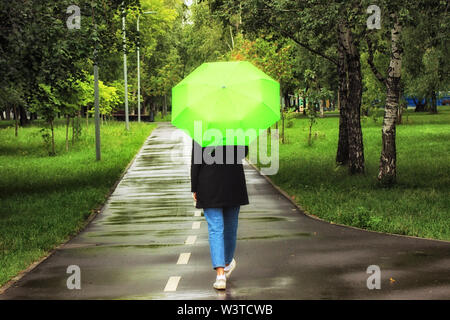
<point>159,117</point>
<point>45,200</point>
<point>418,205</point>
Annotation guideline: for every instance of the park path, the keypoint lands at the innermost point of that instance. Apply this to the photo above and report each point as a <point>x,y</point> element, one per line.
<point>150,242</point>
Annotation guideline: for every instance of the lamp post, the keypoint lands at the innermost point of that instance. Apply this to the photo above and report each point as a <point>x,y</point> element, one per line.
<point>125,67</point>
<point>97,109</point>
<point>96,94</point>
<point>138,65</point>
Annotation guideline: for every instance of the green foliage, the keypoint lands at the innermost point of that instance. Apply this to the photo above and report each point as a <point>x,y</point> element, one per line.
<point>161,66</point>
<point>10,96</point>
<point>47,139</point>
<point>46,102</point>
<point>374,92</point>
<point>272,58</point>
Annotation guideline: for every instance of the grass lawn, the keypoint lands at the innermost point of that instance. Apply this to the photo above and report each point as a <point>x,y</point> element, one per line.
<point>44,200</point>
<point>419,205</point>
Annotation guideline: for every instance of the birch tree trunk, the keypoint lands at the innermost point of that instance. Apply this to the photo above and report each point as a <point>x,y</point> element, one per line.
<point>387,172</point>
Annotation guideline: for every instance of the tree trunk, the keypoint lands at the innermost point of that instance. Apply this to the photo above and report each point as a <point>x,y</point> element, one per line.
<point>73,130</point>
<point>304,101</point>
<point>342,149</point>
<point>67,132</point>
<point>8,113</point>
<point>400,114</point>
<point>23,116</point>
<point>310,131</point>
<point>53,138</point>
<point>87,117</point>
<point>388,170</point>
<point>283,99</point>
<point>420,106</point>
<point>351,110</point>
<point>433,108</point>
<point>287,103</point>
<point>355,138</point>
<point>16,120</point>
<point>152,111</point>
<point>165,106</point>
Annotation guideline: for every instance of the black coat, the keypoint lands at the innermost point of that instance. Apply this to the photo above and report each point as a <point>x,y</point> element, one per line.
<point>218,184</point>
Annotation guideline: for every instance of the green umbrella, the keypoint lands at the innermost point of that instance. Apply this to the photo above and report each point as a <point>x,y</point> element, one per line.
<point>226,95</point>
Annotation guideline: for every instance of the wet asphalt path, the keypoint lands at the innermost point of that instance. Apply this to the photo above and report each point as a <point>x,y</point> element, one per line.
<point>150,242</point>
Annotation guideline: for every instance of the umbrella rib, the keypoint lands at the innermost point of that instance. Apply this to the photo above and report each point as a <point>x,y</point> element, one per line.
<point>246,95</point>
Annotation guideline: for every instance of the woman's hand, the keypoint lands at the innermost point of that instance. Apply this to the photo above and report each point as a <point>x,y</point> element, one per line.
<point>194,195</point>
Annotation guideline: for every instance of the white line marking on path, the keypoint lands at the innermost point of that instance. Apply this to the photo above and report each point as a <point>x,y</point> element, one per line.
<point>196,224</point>
<point>172,284</point>
<point>184,258</point>
<point>191,239</point>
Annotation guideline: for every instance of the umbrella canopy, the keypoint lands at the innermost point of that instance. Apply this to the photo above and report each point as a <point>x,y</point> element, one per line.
<point>225,95</point>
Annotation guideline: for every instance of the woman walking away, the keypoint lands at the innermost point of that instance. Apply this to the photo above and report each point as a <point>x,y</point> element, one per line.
<point>219,188</point>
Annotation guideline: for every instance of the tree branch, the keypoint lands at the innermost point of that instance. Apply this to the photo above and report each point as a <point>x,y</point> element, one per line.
<point>307,47</point>
<point>290,36</point>
<point>374,69</point>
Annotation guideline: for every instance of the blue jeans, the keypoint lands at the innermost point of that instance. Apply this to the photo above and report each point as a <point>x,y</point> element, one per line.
<point>222,229</point>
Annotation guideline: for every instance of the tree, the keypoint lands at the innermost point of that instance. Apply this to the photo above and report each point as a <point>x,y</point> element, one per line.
<point>308,24</point>
<point>41,59</point>
<point>156,50</point>
<point>275,59</point>
<point>398,15</point>
<point>68,95</point>
<point>10,95</point>
<point>48,105</point>
<point>426,60</point>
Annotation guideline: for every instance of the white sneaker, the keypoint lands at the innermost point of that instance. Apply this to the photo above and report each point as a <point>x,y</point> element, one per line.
<point>221,283</point>
<point>229,269</point>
